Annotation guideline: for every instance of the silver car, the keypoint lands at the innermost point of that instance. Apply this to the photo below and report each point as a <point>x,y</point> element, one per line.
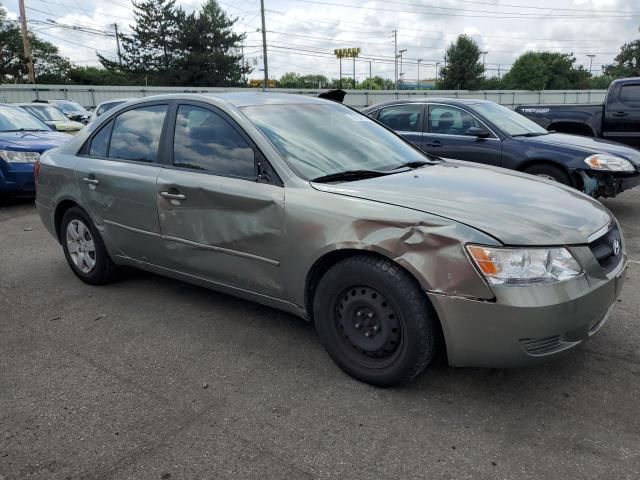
<point>310,207</point>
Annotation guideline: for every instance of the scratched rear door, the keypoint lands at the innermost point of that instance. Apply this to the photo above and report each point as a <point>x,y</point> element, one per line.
<point>218,221</point>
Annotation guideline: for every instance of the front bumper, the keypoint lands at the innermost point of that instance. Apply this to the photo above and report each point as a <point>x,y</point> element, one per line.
<point>16,178</point>
<point>607,184</point>
<point>527,325</point>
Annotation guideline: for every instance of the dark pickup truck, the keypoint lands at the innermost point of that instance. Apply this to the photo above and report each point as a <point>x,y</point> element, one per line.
<point>617,119</point>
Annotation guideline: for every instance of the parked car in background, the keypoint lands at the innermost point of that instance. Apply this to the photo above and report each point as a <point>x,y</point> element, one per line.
<point>485,132</point>
<point>618,118</point>
<point>308,206</point>
<point>23,138</point>
<point>73,110</point>
<point>53,117</point>
<point>106,106</point>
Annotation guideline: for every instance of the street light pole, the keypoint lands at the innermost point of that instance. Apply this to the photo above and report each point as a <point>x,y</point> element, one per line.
<point>437,65</point>
<point>265,83</point>
<point>395,56</point>
<point>401,72</point>
<point>590,55</point>
<point>419,60</point>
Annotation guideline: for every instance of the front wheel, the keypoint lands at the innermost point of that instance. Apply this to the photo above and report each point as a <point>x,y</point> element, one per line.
<point>550,172</point>
<point>375,321</point>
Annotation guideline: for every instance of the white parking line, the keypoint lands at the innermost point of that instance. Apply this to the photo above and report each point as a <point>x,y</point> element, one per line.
<point>634,261</point>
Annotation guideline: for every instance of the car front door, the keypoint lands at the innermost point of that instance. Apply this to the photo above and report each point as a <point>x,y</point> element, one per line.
<point>406,120</point>
<point>622,115</point>
<point>445,136</point>
<point>220,219</point>
<point>117,175</point>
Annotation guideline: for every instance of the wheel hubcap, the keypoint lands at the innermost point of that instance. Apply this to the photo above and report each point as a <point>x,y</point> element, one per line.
<point>81,246</point>
<point>368,324</point>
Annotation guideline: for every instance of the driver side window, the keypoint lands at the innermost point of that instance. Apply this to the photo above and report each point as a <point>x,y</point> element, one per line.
<point>447,120</point>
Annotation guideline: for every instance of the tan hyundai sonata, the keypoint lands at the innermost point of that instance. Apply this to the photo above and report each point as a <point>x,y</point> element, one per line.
<point>308,206</point>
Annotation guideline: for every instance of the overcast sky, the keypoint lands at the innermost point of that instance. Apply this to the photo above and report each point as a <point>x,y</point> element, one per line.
<point>302,34</point>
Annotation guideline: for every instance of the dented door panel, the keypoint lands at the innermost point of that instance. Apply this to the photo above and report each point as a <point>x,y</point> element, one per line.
<point>225,230</point>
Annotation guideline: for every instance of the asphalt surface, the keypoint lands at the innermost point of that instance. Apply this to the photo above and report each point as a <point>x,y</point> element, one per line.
<point>152,378</point>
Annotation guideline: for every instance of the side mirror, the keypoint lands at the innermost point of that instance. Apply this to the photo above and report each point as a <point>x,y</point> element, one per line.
<point>478,132</point>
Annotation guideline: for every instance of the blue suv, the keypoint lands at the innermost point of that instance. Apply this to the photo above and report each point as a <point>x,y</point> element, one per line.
<point>23,138</point>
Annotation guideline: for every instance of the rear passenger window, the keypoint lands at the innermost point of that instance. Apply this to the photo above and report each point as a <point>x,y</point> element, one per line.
<point>136,134</point>
<point>402,118</point>
<point>630,94</point>
<point>206,141</point>
<point>100,141</point>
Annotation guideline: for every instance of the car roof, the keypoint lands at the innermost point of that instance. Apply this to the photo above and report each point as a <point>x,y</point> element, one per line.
<point>243,99</point>
<point>446,101</point>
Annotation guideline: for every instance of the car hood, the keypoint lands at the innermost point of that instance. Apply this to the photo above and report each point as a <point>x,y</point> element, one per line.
<point>65,125</point>
<point>588,145</point>
<point>32,141</point>
<point>514,208</point>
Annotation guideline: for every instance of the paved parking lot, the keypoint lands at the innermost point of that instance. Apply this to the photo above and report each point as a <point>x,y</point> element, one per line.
<point>153,378</point>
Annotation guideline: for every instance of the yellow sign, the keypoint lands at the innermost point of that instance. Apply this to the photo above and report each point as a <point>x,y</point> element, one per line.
<point>346,52</point>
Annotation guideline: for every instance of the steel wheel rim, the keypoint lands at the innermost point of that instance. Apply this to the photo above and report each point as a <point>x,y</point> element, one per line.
<point>368,326</point>
<point>80,245</point>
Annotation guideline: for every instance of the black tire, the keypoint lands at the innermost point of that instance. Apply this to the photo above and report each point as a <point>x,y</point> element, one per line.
<point>103,270</point>
<point>550,172</point>
<point>404,342</point>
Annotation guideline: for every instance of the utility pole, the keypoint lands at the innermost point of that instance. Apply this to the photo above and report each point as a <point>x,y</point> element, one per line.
<point>419,60</point>
<point>590,55</point>
<point>244,76</point>
<point>25,42</point>
<point>437,65</point>
<point>115,27</point>
<point>369,71</point>
<point>395,56</point>
<point>340,81</point>
<point>264,49</point>
<point>483,69</point>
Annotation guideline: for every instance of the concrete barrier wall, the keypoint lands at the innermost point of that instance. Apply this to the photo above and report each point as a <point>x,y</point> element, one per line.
<point>90,96</point>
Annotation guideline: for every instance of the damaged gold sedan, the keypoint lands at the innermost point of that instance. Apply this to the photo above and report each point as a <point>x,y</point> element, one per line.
<point>308,206</point>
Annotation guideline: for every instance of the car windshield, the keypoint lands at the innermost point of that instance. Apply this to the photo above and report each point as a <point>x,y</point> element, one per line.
<point>14,119</point>
<point>46,113</point>
<point>70,107</point>
<point>319,140</point>
<point>510,122</point>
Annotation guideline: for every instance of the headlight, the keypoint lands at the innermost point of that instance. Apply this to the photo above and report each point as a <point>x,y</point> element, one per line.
<point>19,157</point>
<point>602,161</point>
<point>524,266</point>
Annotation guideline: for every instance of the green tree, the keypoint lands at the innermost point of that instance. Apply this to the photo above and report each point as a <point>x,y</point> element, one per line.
<point>376,83</point>
<point>210,50</point>
<point>600,82</point>
<point>626,63</point>
<point>464,70</point>
<point>290,80</point>
<point>546,71</point>
<point>153,44</point>
<point>98,76</point>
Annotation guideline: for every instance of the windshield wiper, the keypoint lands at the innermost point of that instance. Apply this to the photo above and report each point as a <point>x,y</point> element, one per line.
<point>26,130</point>
<point>415,164</point>
<point>349,175</point>
<point>530,134</point>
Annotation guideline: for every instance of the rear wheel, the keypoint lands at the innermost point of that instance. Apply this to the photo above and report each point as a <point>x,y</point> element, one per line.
<point>550,172</point>
<point>375,321</point>
<point>84,249</point>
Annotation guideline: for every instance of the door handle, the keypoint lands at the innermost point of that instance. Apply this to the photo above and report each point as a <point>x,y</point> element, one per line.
<point>173,196</point>
<point>91,181</point>
<point>434,144</point>
<point>620,114</point>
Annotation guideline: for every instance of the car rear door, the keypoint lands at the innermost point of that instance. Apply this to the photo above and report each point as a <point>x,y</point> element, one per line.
<point>622,115</point>
<point>220,218</point>
<point>445,136</point>
<point>117,175</point>
<point>405,119</point>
